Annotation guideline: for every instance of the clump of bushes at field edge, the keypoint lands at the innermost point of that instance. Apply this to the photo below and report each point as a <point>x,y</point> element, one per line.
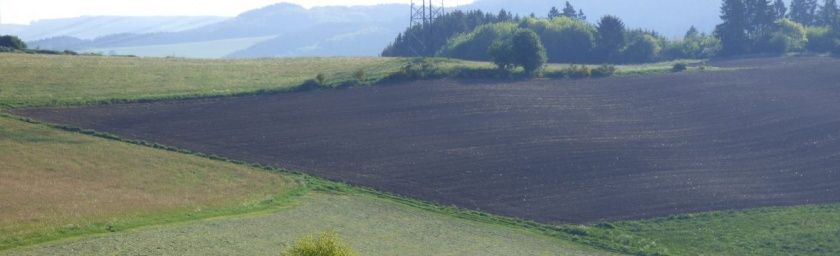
<point>324,244</point>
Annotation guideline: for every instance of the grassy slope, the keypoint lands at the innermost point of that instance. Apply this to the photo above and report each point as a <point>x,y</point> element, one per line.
<point>55,184</point>
<point>39,80</point>
<point>372,226</point>
<point>805,230</point>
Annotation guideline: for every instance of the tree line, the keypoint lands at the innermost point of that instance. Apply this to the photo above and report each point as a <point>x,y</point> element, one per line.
<point>565,36</point>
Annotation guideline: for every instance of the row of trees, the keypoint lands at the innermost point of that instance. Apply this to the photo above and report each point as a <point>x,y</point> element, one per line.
<point>809,12</point>
<point>427,40</point>
<point>568,11</point>
<point>564,36</point>
<point>758,26</point>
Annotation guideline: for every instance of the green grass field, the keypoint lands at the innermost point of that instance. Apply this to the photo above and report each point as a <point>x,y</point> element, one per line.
<point>50,80</point>
<point>804,230</point>
<point>56,184</point>
<point>372,226</point>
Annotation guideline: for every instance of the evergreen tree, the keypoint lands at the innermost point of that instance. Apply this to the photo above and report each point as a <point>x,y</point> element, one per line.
<point>827,15</point>
<point>733,31</point>
<point>504,15</point>
<point>692,33</point>
<point>760,17</point>
<point>554,13</point>
<point>780,9</point>
<point>427,40</point>
<point>569,11</point>
<point>610,37</point>
<point>804,12</point>
<point>580,15</point>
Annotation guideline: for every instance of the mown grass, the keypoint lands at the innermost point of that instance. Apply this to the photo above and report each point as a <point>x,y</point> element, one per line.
<point>369,224</point>
<point>56,184</point>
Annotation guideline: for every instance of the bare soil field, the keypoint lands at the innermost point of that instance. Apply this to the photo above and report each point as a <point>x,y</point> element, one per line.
<point>570,151</point>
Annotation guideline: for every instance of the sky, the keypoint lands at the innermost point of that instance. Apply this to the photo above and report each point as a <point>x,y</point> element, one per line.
<point>26,11</point>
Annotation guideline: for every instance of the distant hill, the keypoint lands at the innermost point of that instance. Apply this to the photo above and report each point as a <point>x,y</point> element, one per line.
<point>290,30</point>
<point>90,27</point>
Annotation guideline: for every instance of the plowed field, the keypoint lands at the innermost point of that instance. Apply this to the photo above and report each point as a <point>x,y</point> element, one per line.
<point>552,151</point>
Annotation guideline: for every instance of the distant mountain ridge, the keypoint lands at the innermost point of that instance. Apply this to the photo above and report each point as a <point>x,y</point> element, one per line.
<point>89,27</point>
<point>366,30</point>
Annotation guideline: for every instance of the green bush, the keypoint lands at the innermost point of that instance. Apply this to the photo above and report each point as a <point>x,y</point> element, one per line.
<point>836,51</point>
<point>524,50</point>
<point>820,39</point>
<point>577,72</point>
<point>528,51</point>
<point>12,42</point>
<point>325,244</point>
<point>476,44</point>
<point>795,35</point>
<point>361,76</point>
<point>567,40</point>
<point>679,67</point>
<point>603,71</point>
<point>643,49</point>
<point>321,79</point>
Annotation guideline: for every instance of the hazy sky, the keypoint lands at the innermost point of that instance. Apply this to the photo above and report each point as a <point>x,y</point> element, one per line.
<point>25,11</point>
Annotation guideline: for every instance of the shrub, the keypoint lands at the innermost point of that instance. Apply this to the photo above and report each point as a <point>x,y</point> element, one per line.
<point>679,67</point>
<point>502,53</point>
<point>476,44</point>
<point>12,42</point>
<point>528,51</point>
<point>482,73</point>
<point>321,79</point>
<point>361,76</point>
<point>644,49</point>
<point>603,71</point>
<point>325,244</point>
<point>836,51</point>
<point>567,40</point>
<point>820,39</point>
<point>795,34</point>
<point>575,71</point>
<point>777,43</point>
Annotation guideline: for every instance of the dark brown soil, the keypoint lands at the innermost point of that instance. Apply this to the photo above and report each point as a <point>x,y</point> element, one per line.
<point>551,151</point>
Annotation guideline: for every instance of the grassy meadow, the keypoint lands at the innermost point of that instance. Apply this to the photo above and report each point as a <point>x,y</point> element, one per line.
<point>802,230</point>
<point>370,225</point>
<point>55,184</point>
<point>54,80</point>
<point>61,80</point>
